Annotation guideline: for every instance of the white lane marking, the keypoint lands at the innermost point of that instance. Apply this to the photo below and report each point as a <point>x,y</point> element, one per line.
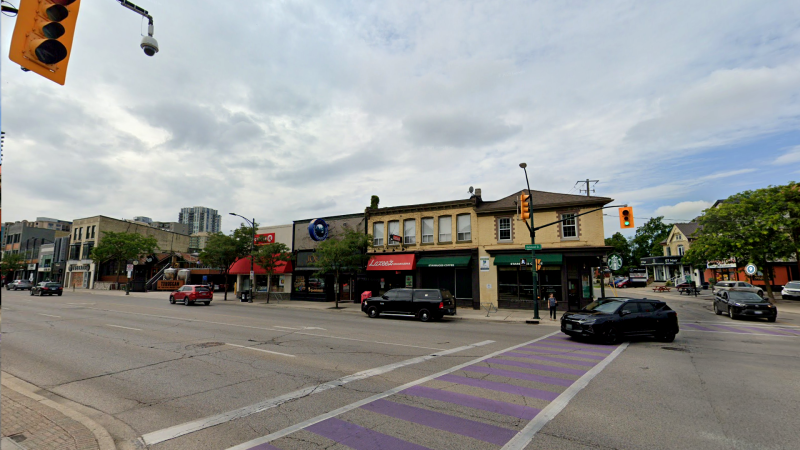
<point>80,303</point>
<point>190,427</point>
<point>301,328</point>
<point>524,437</point>
<point>737,333</point>
<point>288,328</point>
<point>260,350</point>
<point>119,326</point>
<point>344,409</point>
<point>728,323</point>
<point>265,328</point>
<point>48,315</point>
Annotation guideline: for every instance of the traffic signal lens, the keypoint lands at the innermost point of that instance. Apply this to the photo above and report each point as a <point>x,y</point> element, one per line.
<point>57,13</point>
<point>50,51</point>
<point>53,30</point>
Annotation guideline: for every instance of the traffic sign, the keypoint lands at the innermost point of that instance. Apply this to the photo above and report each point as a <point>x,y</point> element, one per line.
<point>533,247</point>
<point>750,269</point>
<point>615,262</point>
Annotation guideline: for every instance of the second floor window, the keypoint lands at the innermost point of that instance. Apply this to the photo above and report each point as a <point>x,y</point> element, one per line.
<point>74,251</point>
<point>569,227</point>
<point>94,227</point>
<point>504,229</point>
<point>446,229</point>
<point>427,230</point>
<point>669,251</point>
<point>680,250</point>
<point>377,233</point>
<point>464,227</point>
<point>410,231</point>
<point>87,248</point>
<point>394,229</point>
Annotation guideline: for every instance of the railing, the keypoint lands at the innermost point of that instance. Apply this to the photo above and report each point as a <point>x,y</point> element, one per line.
<point>156,277</point>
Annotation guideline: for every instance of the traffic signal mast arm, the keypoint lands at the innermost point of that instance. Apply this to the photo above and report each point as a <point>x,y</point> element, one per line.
<point>141,11</point>
<point>533,231</point>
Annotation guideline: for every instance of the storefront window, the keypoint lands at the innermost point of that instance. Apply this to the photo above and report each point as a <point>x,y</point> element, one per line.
<point>299,283</point>
<point>410,231</point>
<point>316,285</point>
<point>446,229</point>
<point>377,234</point>
<point>464,227</point>
<point>427,230</point>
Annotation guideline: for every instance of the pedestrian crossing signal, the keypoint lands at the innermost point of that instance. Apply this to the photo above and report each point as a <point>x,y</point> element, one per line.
<point>626,217</point>
<point>42,39</point>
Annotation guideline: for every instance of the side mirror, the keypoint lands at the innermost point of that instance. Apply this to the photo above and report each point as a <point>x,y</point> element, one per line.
<point>622,312</point>
<point>385,297</point>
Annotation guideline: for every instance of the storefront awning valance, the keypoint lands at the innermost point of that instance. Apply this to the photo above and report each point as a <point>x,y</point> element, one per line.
<point>392,262</point>
<point>444,261</point>
<point>549,259</point>
<point>242,267</point>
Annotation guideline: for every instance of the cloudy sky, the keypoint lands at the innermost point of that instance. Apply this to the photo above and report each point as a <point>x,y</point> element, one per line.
<point>286,110</point>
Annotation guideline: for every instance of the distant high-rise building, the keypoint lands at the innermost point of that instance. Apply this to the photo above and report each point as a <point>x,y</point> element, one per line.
<point>200,218</point>
<point>143,219</point>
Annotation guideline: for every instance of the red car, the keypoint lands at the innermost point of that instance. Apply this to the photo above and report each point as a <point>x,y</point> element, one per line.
<point>191,293</point>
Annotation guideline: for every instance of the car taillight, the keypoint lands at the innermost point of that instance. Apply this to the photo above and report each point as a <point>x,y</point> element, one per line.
<point>441,305</point>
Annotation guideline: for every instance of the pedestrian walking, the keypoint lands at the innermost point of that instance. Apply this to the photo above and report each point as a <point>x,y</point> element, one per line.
<point>553,303</point>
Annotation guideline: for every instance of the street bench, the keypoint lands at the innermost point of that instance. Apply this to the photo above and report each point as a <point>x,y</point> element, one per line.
<point>661,289</point>
<point>689,291</point>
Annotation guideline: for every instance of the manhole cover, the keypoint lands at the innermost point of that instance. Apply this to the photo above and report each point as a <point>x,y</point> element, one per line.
<point>204,345</point>
<point>676,349</point>
<point>17,437</point>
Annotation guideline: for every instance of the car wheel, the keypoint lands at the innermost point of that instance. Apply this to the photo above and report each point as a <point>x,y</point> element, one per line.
<point>41,293</point>
<point>611,336</point>
<point>31,292</point>
<point>772,319</point>
<point>730,313</point>
<point>372,312</point>
<point>171,300</point>
<point>186,301</point>
<point>716,309</point>
<point>206,303</point>
<point>667,337</point>
<point>424,315</point>
<point>59,294</point>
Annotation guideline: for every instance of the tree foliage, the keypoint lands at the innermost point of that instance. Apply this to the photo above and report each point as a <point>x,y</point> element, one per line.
<point>374,201</point>
<point>752,226</point>
<point>221,251</point>
<point>269,257</point>
<point>122,247</point>
<point>647,240</point>
<point>344,252</point>
<point>11,262</point>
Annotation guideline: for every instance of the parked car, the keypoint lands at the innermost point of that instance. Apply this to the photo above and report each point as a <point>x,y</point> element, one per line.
<point>424,304</point>
<point>19,285</point>
<point>622,282</point>
<point>611,319</point>
<point>791,290</point>
<point>191,293</point>
<point>47,288</point>
<point>739,286</point>
<point>744,304</point>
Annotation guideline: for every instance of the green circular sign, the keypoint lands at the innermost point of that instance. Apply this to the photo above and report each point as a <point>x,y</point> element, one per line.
<point>615,262</point>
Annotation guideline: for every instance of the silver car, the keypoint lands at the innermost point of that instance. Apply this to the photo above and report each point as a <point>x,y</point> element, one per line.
<point>739,286</point>
<point>19,284</point>
<point>791,290</point>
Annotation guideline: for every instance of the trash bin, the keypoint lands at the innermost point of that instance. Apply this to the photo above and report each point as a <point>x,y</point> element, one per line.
<point>244,296</point>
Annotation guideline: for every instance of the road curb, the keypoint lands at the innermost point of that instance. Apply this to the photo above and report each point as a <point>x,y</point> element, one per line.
<point>104,439</point>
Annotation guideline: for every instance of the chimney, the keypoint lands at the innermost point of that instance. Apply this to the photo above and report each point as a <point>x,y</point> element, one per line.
<point>477,196</point>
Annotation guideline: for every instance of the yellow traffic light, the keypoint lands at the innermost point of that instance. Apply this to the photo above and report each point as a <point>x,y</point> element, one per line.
<point>524,207</point>
<point>42,39</point>
<point>626,217</point>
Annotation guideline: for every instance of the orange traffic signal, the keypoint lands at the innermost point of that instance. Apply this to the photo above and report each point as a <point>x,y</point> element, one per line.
<point>524,207</point>
<point>42,39</point>
<point>626,217</point>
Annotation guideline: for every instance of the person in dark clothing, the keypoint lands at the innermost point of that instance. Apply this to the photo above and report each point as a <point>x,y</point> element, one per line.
<point>552,303</point>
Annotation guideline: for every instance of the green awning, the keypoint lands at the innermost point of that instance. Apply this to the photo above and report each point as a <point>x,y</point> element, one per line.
<point>548,259</point>
<point>443,261</point>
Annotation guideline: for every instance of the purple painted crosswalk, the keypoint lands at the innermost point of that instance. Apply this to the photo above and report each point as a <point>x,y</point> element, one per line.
<point>742,329</point>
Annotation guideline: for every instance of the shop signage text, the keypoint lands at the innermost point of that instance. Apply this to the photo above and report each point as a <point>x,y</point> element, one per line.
<point>263,239</point>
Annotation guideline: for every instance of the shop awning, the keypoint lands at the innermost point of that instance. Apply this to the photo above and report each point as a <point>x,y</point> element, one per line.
<point>548,259</point>
<point>242,267</point>
<point>444,261</point>
<point>392,262</point>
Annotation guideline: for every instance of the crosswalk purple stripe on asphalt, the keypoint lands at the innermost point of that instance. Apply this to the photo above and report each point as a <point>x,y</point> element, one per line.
<point>787,330</point>
<point>571,341</point>
<point>359,438</point>
<point>764,330</point>
<point>550,358</point>
<point>534,366</point>
<point>519,375</point>
<point>445,422</point>
<point>580,347</point>
<point>484,404</point>
<point>566,351</point>
<point>500,387</point>
<point>726,328</point>
<point>697,327</point>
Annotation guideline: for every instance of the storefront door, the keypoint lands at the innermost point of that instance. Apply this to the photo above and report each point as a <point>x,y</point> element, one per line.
<point>574,294</point>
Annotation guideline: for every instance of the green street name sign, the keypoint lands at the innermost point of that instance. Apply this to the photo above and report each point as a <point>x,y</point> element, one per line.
<point>533,247</point>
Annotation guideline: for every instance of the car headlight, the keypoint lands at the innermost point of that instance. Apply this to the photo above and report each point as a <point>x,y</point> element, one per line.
<point>739,305</point>
<point>589,322</point>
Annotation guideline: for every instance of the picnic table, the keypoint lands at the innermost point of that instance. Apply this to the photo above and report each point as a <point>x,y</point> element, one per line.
<point>689,290</point>
<point>661,289</point>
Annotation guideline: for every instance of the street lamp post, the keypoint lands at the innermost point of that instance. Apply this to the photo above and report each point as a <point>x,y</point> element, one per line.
<point>533,251</point>
<point>252,243</point>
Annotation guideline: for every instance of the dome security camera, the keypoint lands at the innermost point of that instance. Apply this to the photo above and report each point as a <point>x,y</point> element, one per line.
<point>149,45</point>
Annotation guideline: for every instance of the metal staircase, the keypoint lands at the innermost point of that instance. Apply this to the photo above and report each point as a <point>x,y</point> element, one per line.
<point>159,275</point>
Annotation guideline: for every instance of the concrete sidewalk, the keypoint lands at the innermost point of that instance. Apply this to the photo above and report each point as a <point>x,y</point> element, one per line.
<point>33,422</point>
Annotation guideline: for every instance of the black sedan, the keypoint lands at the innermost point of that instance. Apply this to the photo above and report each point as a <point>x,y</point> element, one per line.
<point>744,304</point>
<point>47,288</point>
<point>613,318</point>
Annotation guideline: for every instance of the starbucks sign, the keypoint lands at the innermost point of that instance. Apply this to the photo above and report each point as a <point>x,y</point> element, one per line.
<point>615,262</point>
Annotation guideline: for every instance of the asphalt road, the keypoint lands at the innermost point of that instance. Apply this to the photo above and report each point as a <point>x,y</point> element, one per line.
<point>236,375</point>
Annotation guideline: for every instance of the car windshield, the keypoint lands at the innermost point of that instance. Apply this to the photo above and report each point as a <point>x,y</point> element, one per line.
<point>603,306</point>
<point>748,297</point>
<point>53,285</point>
<point>792,285</point>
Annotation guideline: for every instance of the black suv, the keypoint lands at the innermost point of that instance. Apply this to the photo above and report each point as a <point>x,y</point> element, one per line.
<point>612,318</point>
<point>425,304</point>
<point>47,288</point>
<point>744,304</point>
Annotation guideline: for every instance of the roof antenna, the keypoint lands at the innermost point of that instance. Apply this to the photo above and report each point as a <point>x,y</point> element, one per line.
<point>471,190</point>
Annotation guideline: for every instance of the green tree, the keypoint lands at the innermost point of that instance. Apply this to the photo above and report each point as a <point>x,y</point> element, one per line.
<point>221,251</point>
<point>121,247</point>
<point>346,252</point>
<point>11,262</point>
<point>269,257</point>
<point>622,247</point>
<point>647,241</point>
<point>752,226</point>
<point>374,201</point>
<point>789,196</point>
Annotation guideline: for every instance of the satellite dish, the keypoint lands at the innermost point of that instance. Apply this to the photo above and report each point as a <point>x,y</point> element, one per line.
<point>471,189</point>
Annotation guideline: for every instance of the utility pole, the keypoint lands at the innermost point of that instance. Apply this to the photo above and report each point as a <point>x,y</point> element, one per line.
<point>587,190</point>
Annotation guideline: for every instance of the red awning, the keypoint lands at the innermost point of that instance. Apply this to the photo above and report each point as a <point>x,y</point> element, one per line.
<point>242,267</point>
<point>392,262</point>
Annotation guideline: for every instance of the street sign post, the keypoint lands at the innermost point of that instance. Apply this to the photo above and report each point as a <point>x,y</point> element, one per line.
<point>533,247</point>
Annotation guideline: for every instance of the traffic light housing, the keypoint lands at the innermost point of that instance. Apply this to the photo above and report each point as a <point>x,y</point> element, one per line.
<point>42,39</point>
<point>626,217</point>
<point>524,207</point>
